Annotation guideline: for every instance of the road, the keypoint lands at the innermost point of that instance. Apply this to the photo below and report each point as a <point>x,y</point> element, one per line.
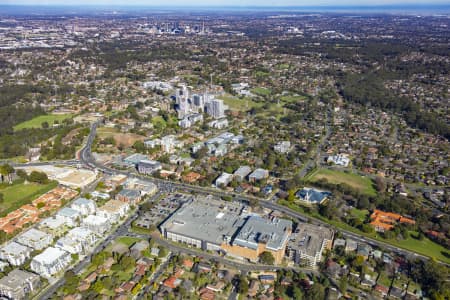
<point>120,231</point>
<point>154,277</point>
<point>240,265</point>
<point>315,159</point>
<point>86,158</point>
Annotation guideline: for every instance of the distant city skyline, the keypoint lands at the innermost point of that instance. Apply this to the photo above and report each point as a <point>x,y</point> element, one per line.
<point>237,3</point>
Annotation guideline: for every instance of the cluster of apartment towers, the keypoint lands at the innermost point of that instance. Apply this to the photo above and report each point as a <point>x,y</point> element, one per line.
<point>189,107</point>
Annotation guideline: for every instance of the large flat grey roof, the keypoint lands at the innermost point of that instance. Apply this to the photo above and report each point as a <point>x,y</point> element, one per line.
<point>207,221</point>
<point>272,232</point>
<point>309,238</point>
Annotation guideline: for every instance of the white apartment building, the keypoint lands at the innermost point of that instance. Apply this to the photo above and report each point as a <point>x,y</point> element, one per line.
<point>113,210</point>
<point>15,253</point>
<point>50,262</point>
<point>35,239</point>
<point>97,224</point>
<point>70,245</point>
<point>84,206</point>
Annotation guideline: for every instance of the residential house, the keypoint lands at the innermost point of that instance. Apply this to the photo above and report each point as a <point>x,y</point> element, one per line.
<point>282,147</point>
<point>223,180</point>
<point>139,247</point>
<point>242,172</point>
<point>258,175</point>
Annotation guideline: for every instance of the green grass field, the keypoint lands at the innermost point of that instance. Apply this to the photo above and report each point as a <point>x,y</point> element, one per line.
<point>37,121</point>
<point>292,99</point>
<point>261,91</point>
<point>362,184</point>
<point>20,194</point>
<point>127,240</point>
<point>359,213</point>
<point>104,132</point>
<point>238,104</point>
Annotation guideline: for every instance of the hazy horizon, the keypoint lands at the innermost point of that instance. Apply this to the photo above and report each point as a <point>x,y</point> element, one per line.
<point>229,3</point>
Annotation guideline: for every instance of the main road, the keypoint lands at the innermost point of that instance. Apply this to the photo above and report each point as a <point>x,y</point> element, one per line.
<point>86,158</point>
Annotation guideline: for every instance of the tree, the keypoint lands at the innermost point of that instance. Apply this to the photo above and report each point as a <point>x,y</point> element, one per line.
<point>343,284</point>
<point>45,125</point>
<point>22,174</point>
<point>291,196</point>
<point>266,258</point>
<point>363,202</point>
<point>7,170</point>
<point>242,285</point>
<point>139,147</point>
<point>202,152</point>
<point>297,293</point>
<point>317,291</point>
<point>38,177</point>
<point>380,185</point>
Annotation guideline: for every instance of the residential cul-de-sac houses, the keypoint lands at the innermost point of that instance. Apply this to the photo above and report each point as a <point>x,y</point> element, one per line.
<point>84,206</point>
<point>15,253</point>
<point>70,216</point>
<point>19,284</point>
<point>35,239</point>
<point>97,224</point>
<point>113,210</point>
<point>51,261</point>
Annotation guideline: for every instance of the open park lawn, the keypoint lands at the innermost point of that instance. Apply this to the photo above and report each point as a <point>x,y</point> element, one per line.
<point>16,195</point>
<point>362,184</point>
<point>238,104</point>
<point>37,121</point>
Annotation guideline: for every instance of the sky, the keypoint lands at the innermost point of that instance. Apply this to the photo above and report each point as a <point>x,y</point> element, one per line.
<point>225,2</point>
